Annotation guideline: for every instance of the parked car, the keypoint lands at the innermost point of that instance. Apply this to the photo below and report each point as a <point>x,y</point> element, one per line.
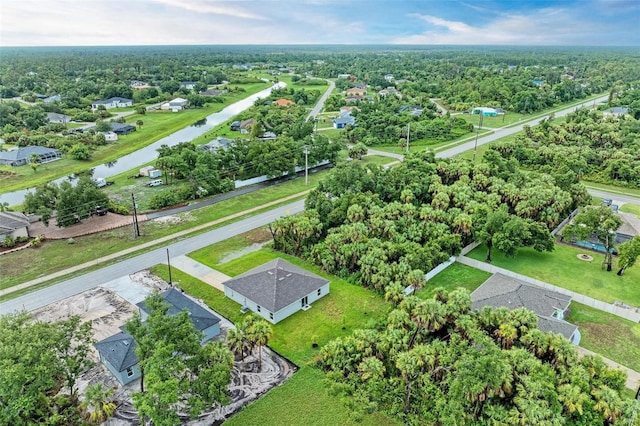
<point>101,211</point>
<point>155,182</point>
<point>607,201</point>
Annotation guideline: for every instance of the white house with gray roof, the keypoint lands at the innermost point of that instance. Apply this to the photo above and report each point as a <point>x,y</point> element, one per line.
<point>117,352</point>
<point>276,289</point>
<point>115,102</point>
<point>22,156</point>
<point>550,306</point>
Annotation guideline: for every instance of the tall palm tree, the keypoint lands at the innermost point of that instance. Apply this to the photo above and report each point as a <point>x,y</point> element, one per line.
<point>236,341</point>
<point>260,332</point>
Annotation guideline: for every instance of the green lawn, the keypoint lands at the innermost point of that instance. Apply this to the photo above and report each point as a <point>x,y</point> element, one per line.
<point>57,255</point>
<point>456,275</point>
<point>156,126</point>
<point>422,144</point>
<point>608,335</point>
<point>493,122</point>
<point>303,400</point>
<point>630,208</point>
<point>562,268</point>
<point>344,309</point>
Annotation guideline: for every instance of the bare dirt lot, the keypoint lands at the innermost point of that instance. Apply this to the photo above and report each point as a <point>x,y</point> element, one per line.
<point>108,309</point>
<point>87,226</point>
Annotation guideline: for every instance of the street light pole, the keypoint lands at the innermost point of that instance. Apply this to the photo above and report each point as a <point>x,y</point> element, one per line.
<point>169,264</point>
<point>306,165</point>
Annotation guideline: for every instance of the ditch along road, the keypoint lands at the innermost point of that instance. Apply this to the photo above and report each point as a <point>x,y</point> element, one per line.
<point>179,244</point>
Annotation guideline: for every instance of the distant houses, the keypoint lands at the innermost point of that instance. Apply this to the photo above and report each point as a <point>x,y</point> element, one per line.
<point>283,102</point>
<point>118,128</point>
<point>175,105</point>
<point>616,112</point>
<point>342,122</point>
<point>115,102</point>
<point>487,112</point>
<point>54,117</point>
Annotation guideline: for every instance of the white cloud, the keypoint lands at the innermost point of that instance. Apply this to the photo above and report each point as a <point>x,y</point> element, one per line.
<point>548,26</point>
<point>208,6</point>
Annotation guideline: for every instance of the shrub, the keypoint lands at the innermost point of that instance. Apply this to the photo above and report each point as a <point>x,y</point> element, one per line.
<point>8,242</point>
<point>37,241</point>
<point>164,199</point>
<point>119,208</point>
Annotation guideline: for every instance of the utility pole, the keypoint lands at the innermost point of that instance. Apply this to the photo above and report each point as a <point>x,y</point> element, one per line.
<point>306,164</point>
<point>408,130</point>
<point>475,146</point>
<point>136,228</point>
<point>169,264</point>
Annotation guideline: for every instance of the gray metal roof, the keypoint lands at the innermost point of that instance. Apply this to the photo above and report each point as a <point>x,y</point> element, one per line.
<point>276,284</point>
<point>119,350</point>
<point>178,302</point>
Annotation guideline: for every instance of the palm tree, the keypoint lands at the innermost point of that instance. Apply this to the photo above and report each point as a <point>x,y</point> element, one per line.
<point>236,341</point>
<point>260,332</point>
<point>98,406</point>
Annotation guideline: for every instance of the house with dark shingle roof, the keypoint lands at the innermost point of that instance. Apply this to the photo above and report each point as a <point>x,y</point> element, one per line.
<point>14,225</point>
<point>117,352</point>
<point>22,156</point>
<point>276,289</point>
<point>550,306</point>
<point>115,102</point>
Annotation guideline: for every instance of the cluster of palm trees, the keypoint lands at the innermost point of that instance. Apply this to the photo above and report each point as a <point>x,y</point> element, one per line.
<point>252,332</point>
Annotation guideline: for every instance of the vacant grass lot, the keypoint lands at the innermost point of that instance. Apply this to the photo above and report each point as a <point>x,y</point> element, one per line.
<point>456,275</point>
<point>562,268</point>
<point>346,308</point>
<point>608,335</point>
<point>156,126</point>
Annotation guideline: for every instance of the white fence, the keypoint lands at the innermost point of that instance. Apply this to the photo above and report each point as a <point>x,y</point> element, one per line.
<point>629,313</point>
<point>260,179</point>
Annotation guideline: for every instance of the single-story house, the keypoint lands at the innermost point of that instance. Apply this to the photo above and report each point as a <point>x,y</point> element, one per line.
<point>54,98</point>
<point>390,91</point>
<point>121,128</point>
<point>388,77</point>
<point>175,105</point>
<point>216,144</point>
<point>537,83</point>
<point>347,76</point>
<point>115,102</point>
<point>54,117</point>
<point>550,306</point>
<point>189,85</point>
<point>283,102</point>
<point>411,109</point>
<point>347,109</point>
<point>14,225</point>
<point>245,125</point>
<point>203,319</point>
<point>137,84</point>
<point>117,352</point>
<point>22,156</point>
<point>342,122</point>
<point>276,289</point>
<point>356,91</point>
<point>110,136</point>
<point>616,112</point>
<point>213,92</point>
<point>485,111</point>
<point>353,99</point>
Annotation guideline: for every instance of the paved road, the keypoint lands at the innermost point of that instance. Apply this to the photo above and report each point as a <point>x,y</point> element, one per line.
<point>93,279</point>
<point>318,107</point>
<point>506,131</point>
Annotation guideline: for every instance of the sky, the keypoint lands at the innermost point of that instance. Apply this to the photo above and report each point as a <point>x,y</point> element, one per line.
<point>416,22</point>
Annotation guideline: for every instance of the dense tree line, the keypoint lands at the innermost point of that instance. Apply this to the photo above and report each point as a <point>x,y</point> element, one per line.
<point>383,228</point>
<point>437,362</point>
<point>40,364</point>
<point>588,144</point>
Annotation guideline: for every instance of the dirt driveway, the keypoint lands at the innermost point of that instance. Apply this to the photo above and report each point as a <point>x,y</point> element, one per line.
<point>88,226</point>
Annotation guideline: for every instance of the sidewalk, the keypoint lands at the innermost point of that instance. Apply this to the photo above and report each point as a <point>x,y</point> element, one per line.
<point>113,256</point>
<point>633,377</point>
<point>200,271</point>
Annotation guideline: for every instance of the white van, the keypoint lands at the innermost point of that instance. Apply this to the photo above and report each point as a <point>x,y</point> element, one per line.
<point>156,182</point>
